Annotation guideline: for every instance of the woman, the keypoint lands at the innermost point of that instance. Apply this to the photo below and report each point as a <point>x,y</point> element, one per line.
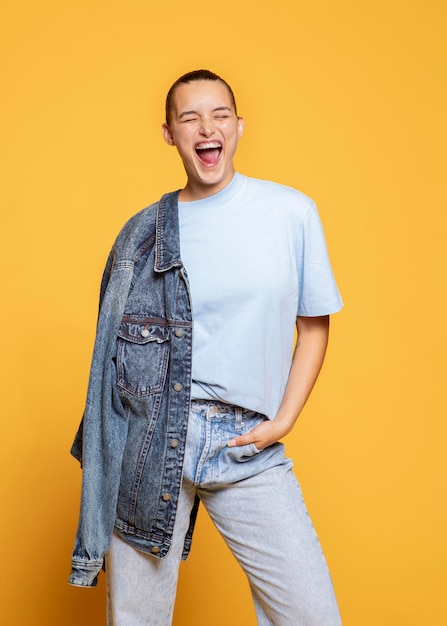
<point>194,380</point>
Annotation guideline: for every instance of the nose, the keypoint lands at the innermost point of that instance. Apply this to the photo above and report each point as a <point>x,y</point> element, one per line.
<point>206,127</point>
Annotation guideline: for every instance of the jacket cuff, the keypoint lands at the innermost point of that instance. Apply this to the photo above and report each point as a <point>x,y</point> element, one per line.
<point>85,573</point>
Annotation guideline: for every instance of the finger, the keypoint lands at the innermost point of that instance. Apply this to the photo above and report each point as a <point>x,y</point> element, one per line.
<point>239,441</point>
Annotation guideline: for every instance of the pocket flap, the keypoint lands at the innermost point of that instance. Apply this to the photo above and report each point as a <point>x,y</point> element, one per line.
<point>143,330</point>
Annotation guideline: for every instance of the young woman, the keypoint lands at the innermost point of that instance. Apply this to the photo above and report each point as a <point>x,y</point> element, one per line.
<point>195,380</point>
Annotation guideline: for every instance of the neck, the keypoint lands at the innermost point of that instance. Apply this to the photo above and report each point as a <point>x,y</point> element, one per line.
<point>193,191</point>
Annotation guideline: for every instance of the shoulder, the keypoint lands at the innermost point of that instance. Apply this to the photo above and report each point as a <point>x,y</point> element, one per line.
<point>142,218</point>
<point>276,195</point>
<point>137,232</point>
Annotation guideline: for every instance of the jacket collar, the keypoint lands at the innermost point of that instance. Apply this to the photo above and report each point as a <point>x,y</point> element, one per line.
<point>167,233</point>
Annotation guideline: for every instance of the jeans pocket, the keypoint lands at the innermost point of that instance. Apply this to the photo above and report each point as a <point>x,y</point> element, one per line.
<point>253,449</point>
<point>249,422</point>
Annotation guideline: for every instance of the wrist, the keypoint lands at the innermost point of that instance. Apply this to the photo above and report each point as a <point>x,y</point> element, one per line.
<point>285,422</point>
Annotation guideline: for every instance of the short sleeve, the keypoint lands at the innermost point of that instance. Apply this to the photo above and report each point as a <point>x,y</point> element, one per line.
<point>318,293</point>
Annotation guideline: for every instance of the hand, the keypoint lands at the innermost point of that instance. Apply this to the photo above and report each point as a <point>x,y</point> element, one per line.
<point>262,435</point>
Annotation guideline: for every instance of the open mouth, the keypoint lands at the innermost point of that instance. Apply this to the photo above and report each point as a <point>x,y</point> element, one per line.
<point>209,152</point>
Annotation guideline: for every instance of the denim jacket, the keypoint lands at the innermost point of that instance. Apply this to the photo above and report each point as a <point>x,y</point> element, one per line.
<point>131,440</point>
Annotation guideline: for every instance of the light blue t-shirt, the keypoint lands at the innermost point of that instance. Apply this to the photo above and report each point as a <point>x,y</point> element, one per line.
<point>256,257</point>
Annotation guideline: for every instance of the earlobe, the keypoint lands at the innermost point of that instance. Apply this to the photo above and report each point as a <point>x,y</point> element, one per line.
<point>167,135</point>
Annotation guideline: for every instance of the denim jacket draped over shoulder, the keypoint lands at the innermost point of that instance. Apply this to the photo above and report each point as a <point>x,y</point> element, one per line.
<point>131,440</point>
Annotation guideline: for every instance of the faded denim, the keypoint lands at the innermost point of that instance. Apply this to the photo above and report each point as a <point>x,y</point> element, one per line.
<point>131,441</point>
<point>256,503</point>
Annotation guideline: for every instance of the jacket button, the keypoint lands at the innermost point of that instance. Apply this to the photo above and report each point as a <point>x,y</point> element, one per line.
<point>155,550</point>
<point>145,332</point>
<point>178,387</point>
<point>178,332</point>
<point>174,443</point>
<point>166,497</point>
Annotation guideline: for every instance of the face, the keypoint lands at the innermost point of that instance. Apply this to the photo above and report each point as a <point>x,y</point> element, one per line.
<point>205,130</point>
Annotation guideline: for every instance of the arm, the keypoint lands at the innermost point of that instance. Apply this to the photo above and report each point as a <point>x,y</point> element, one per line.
<point>313,333</point>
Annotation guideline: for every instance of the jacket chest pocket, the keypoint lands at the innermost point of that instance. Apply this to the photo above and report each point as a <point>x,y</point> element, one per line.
<point>142,356</point>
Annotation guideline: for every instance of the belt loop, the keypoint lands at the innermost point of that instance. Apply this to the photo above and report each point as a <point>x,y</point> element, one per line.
<point>238,419</point>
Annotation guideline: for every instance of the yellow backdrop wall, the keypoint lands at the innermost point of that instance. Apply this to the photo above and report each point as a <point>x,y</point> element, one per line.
<point>344,100</point>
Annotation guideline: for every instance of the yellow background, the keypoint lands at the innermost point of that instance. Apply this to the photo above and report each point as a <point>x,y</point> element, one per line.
<point>344,100</point>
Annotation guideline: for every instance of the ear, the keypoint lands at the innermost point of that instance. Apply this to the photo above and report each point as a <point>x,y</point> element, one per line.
<point>167,135</point>
<point>240,126</point>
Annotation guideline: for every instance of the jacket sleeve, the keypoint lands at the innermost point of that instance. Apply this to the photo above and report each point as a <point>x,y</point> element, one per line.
<point>106,277</point>
<point>102,435</point>
<point>76,448</point>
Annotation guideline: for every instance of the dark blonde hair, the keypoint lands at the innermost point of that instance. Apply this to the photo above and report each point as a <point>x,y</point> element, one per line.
<point>191,77</point>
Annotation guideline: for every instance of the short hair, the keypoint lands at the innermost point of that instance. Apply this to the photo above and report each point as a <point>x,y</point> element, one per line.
<point>191,77</point>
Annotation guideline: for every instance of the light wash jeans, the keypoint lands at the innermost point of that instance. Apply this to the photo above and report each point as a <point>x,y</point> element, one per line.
<point>255,502</point>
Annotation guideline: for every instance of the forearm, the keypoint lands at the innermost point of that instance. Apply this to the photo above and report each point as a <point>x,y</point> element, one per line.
<point>313,333</point>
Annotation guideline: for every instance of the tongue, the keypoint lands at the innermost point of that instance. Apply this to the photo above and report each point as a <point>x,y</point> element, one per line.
<point>210,156</point>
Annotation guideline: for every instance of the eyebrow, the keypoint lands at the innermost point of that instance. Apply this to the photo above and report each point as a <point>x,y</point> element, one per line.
<point>185,113</point>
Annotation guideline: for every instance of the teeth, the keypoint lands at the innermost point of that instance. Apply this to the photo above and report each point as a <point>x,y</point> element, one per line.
<point>207,146</point>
